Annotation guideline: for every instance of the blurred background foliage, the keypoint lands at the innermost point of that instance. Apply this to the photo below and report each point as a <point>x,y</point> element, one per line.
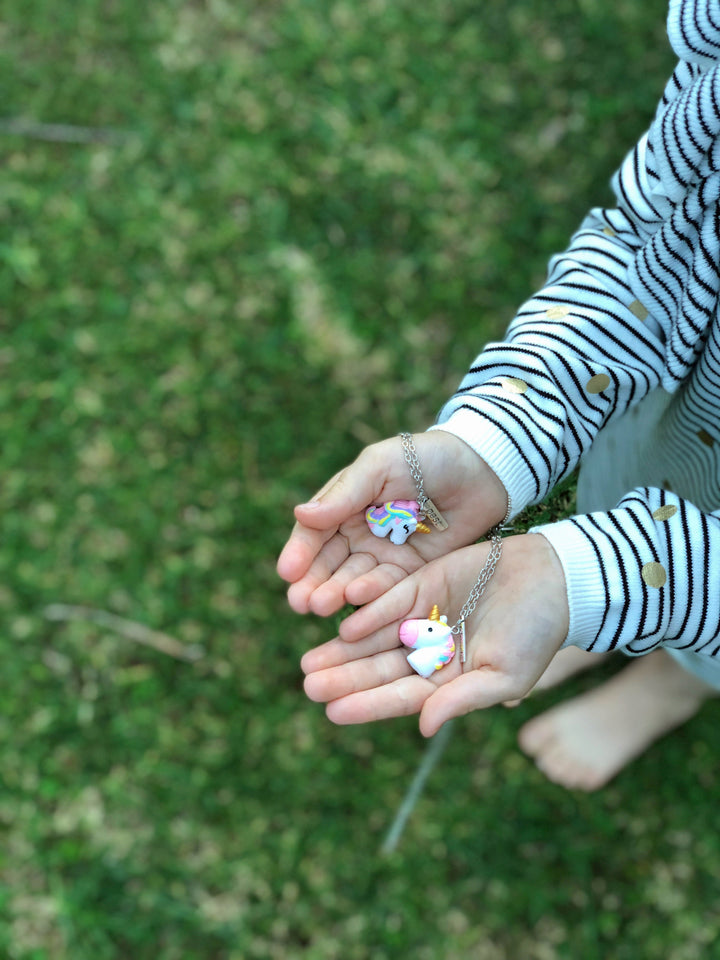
<point>238,241</point>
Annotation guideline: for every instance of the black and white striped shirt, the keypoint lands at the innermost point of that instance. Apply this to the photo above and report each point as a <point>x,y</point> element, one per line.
<point>631,307</point>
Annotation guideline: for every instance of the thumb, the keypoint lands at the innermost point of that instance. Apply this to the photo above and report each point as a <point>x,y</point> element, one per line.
<point>483,687</point>
<point>347,493</point>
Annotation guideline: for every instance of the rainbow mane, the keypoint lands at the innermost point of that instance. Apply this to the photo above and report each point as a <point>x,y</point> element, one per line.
<point>387,512</point>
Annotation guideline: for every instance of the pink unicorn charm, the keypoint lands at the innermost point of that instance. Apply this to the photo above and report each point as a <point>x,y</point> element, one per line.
<point>398,518</point>
<point>432,643</point>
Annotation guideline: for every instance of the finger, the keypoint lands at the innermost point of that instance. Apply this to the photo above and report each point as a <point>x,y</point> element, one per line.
<point>392,607</point>
<point>400,698</point>
<point>299,552</point>
<point>336,652</point>
<point>324,489</point>
<point>413,596</point>
<point>330,596</point>
<point>334,553</point>
<point>352,490</point>
<point>375,583</point>
<point>366,674</point>
<point>475,690</point>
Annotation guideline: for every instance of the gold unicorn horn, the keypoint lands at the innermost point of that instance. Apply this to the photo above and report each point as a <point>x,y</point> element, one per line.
<point>423,528</point>
<point>435,614</point>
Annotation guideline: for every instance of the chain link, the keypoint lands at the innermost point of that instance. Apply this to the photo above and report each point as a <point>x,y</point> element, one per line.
<point>495,536</point>
<point>483,579</point>
<point>411,458</point>
<point>427,509</point>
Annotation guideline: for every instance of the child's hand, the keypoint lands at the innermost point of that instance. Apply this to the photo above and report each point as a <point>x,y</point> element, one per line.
<point>332,558</point>
<point>516,630</point>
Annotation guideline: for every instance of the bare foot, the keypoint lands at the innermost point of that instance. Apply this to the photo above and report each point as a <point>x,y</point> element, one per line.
<point>565,664</point>
<point>584,743</point>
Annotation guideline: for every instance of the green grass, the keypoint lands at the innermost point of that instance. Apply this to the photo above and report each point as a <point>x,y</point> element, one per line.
<point>310,217</point>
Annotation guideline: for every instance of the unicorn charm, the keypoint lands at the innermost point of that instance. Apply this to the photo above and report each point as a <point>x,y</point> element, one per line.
<point>397,518</point>
<point>431,640</point>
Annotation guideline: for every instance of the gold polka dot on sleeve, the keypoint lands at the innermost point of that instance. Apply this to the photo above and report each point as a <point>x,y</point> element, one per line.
<point>654,575</point>
<point>513,385</point>
<point>598,383</point>
<point>664,513</point>
<point>557,312</point>
<point>639,310</point>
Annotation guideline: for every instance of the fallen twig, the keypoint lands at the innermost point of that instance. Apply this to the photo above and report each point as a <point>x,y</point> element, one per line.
<point>433,752</point>
<point>127,628</point>
<point>62,132</point>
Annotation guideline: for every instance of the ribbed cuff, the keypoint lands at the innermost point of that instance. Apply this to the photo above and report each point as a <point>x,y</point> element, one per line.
<point>583,581</point>
<point>498,452</point>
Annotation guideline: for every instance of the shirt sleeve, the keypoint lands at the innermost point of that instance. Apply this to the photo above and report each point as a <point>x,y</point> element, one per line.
<point>578,354</point>
<point>643,575</point>
<point>627,307</point>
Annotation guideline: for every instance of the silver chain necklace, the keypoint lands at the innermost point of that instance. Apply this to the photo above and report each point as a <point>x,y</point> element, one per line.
<point>429,510</point>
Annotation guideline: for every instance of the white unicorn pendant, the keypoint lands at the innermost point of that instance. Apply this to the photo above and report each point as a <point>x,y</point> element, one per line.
<point>432,643</point>
<point>398,519</point>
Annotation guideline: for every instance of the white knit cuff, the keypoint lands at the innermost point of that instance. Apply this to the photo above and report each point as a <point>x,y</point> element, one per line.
<point>583,581</point>
<point>498,452</point>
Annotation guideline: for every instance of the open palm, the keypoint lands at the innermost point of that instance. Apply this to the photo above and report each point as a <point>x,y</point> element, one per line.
<point>517,629</point>
<point>332,558</point>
